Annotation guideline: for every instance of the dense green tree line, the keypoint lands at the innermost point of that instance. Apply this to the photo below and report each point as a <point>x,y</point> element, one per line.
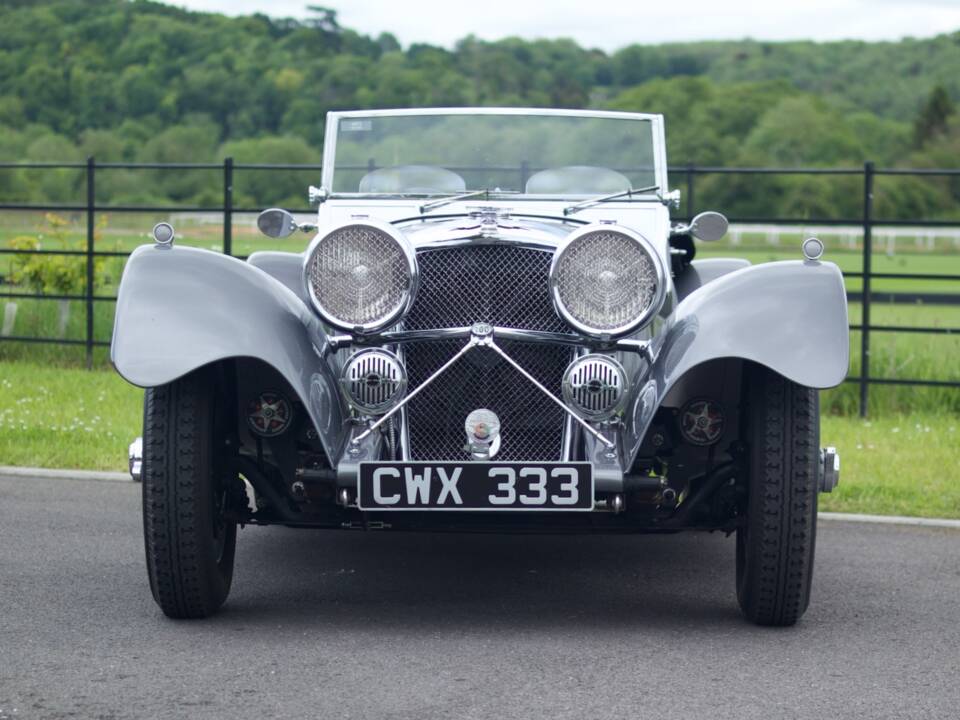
<point>143,81</point>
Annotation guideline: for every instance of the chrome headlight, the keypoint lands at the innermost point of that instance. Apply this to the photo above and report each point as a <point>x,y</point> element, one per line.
<point>607,280</point>
<point>361,276</point>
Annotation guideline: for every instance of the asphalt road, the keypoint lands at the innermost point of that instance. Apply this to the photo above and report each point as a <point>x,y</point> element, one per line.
<point>374,625</point>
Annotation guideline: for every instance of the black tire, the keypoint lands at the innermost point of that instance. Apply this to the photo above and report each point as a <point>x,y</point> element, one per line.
<point>190,546</point>
<point>775,547</point>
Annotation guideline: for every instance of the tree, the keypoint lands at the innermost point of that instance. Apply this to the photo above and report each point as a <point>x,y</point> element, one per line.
<point>933,116</point>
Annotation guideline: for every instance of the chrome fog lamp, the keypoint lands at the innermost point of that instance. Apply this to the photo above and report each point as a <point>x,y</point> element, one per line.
<point>595,386</point>
<point>361,276</point>
<point>374,381</point>
<point>607,280</point>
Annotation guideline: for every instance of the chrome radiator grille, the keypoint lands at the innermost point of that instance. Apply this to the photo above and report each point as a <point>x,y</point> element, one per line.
<point>531,425</point>
<point>502,285</point>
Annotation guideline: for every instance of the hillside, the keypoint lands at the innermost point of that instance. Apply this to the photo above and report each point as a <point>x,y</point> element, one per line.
<point>149,82</point>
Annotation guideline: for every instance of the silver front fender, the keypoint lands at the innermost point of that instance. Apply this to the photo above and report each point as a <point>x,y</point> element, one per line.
<point>790,316</point>
<point>180,308</point>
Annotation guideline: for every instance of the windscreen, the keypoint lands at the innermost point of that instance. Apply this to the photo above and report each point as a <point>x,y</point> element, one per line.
<point>553,155</point>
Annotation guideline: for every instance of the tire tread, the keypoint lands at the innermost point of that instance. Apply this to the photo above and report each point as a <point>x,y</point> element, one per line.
<point>177,473</point>
<point>778,564</point>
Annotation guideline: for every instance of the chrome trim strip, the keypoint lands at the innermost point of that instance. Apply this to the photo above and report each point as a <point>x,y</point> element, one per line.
<point>641,347</point>
<point>567,450</point>
<point>487,110</point>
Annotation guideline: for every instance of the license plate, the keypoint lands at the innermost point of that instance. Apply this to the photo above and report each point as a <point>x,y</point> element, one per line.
<point>475,486</point>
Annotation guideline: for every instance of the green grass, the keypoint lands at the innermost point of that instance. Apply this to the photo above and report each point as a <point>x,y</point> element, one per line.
<point>59,417</point>
<point>896,465</point>
<point>70,418</point>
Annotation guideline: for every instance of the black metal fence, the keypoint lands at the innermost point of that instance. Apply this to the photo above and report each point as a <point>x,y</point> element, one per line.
<point>866,222</point>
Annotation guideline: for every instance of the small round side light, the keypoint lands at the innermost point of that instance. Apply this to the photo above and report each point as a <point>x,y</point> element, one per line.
<point>163,233</point>
<point>813,248</point>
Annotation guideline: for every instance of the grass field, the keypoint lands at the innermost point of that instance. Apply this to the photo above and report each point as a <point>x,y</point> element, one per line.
<point>70,418</point>
<point>66,417</point>
<point>904,460</point>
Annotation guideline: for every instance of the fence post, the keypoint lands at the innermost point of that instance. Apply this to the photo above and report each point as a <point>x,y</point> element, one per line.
<point>91,204</point>
<point>867,270</point>
<point>689,203</point>
<point>228,206</point>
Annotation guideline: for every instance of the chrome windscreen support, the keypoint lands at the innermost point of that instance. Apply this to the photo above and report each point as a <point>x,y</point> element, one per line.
<point>482,334</point>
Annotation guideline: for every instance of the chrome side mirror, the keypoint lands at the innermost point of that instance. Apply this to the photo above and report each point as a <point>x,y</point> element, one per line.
<point>708,226</point>
<point>276,223</point>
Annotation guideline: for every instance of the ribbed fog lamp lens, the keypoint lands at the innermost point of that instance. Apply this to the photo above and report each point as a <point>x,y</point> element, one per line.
<point>595,386</point>
<point>607,280</point>
<point>361,276</point>
<point>374,381</point>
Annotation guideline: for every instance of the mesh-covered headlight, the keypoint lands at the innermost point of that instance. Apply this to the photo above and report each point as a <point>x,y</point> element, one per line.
<point>361,276</point>
<point>607,280</point>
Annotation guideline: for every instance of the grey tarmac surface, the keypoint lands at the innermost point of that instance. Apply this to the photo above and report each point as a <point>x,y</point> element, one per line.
<point>348,624</point>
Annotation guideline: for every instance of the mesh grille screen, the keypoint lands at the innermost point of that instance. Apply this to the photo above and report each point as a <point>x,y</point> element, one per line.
<point>501,285</point>
<point>531,425</point>
<point>498,284</point>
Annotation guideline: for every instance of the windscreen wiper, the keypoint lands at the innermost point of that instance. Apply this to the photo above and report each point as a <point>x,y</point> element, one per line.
<point>571,209</point>
<point>434,204</point>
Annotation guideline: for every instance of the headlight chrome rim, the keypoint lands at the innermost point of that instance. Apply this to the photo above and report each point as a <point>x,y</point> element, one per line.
<point>396,312</point>
<point>656,302</point>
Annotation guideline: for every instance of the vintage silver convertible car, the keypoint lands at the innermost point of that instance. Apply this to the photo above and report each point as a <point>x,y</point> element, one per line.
<point>496,327</point>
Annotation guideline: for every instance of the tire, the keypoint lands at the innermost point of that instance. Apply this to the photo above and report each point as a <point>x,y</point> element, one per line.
<point>776,545</point>
<point>190,546</point>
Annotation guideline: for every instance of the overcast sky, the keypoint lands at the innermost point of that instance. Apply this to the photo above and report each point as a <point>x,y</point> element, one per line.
<point>611,25</point>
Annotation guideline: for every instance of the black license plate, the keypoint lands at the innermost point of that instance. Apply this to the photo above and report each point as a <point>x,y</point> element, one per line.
<point>475,486</point>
